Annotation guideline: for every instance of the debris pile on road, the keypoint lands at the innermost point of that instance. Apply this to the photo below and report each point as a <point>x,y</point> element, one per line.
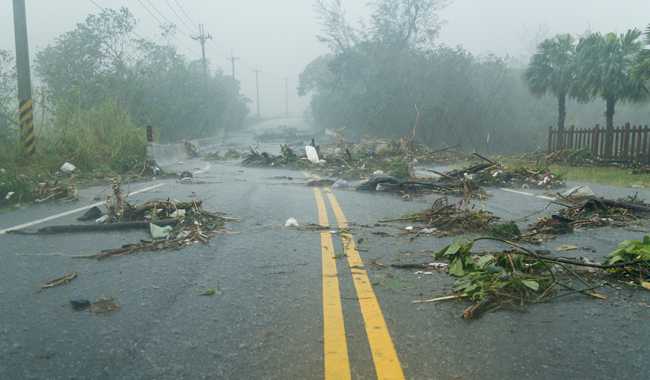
<point>490,173</point>
<point>445,219</point>
<point>284,134</point>
<point>51,190</point>
<point>172,224</point>
<point>511,278</point>
<point>586,212</point>
<point>286,159</point>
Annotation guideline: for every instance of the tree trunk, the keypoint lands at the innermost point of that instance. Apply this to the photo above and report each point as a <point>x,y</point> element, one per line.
<point>561,117</point>
<point>609,115</point>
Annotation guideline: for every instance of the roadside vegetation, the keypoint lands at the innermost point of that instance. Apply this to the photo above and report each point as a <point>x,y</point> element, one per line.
<point>98,87</point>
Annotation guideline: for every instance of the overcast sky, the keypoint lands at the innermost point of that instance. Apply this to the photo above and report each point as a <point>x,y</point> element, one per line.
<point>278,36</point>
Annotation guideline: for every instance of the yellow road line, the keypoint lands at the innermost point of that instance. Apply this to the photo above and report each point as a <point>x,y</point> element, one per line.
<point>335,347</point>
<point>387,364</point>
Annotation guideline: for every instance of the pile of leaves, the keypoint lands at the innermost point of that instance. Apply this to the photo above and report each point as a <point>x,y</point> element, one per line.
<point>450,219</point>
<point>512,278</point>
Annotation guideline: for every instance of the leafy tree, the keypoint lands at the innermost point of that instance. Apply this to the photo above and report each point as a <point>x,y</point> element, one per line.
<point>606,70</point>
<point>552,69</point>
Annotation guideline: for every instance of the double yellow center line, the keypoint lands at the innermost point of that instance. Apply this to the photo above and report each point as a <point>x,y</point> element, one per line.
<point>336,360</point>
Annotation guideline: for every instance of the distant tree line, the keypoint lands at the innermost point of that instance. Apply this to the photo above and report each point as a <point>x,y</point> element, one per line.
<point>101,59</point>
<point>377,75</point>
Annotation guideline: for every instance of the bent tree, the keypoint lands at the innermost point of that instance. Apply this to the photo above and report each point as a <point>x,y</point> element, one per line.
<point>552,70</point>
<point>607,66</point>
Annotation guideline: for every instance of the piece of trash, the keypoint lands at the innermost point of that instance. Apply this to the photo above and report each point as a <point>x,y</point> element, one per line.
<point>102,219</point>
<point>579,192</point>
<point>92,213</point>
<point>378,173</point>
<point>209,292</point>
<point>65,279</point>
<point>291,222</point>
<point>566,247</point>
<point>104,305</point>
<point>428,231</point>
<point>158,232</point>
<point>422,272</point>
<point>341,184</point>
<point>68,168</point>
<point>79,305</point>
<point>9,195</point>
<point>312,154</point>
<point>409,228</point>
<point>438,266</point>
<point>177,214</point>
<point>645,285</point>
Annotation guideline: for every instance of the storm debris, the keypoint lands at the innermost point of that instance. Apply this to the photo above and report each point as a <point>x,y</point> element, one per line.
<point>449,219</point>
<point>63,280</point>
<point>512,278</point>
<point>51,190</point>
<point>587,212</point>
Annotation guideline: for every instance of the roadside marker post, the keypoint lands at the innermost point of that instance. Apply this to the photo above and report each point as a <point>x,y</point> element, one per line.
<point>26,113</point>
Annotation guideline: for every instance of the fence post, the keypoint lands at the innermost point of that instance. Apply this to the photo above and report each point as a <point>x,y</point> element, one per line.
<point>594,142</point>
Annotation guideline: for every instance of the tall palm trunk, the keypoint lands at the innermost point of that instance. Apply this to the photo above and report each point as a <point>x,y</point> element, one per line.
<point>561,117</point>
<point>609,116</point>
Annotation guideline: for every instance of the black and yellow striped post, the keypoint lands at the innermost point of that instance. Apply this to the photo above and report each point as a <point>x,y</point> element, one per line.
<point>26,113</point>
<point>27,127</point>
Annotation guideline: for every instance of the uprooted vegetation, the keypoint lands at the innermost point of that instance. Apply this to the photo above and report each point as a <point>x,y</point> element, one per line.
<point>517,277</point>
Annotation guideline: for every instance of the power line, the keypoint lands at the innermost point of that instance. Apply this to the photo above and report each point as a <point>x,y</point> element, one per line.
<point>178,15</point>
<point>150,13</point>
<point>185,13</point>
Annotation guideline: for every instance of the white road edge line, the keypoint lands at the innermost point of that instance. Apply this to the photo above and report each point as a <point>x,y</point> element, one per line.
<point>527,194</point>
<point>66,213</point>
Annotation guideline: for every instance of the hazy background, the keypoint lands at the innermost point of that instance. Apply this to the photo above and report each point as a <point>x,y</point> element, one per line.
<point>278,37</point>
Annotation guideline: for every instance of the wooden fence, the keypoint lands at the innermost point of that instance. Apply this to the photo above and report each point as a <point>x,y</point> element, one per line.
<point>625,144</point>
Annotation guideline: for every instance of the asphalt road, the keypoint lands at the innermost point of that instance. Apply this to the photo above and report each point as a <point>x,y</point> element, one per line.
<point>274,287</point>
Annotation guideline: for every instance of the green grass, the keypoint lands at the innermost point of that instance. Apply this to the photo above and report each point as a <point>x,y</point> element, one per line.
<point>603,175</point>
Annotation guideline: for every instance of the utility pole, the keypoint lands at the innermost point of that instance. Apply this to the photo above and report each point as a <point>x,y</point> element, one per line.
<point>202,38</point>
<point>26,114</point>
<point>286,96</point>
<point>232,60</point>
<point>257,86</point>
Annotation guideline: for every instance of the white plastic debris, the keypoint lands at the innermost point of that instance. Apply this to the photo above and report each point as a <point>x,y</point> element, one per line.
<point>438,266</point>
<point>428,231</point>
<point>312,154</point>
<point>177,214</point>
<point>291,222</point>
<point>158,232</point>
<point>579,192</point>
<point>9,195</point>
<point>341,184</point>
<point>423,272</point>
<point>68,168</point>
<point>378,173</point>
<point>102,219</point>
<point>409,228</point>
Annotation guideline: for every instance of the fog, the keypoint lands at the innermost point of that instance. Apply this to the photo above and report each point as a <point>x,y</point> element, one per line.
<point>279,37</point>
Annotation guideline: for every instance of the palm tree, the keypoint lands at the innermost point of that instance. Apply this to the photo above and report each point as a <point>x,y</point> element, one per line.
<point>643,68</point>
<point>606,69</point>
<point>552,70</point>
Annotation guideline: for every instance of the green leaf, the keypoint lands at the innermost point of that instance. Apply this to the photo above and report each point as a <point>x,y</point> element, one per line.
<point>456,268</point>
<point>482,261</point>
<point>532,284</point>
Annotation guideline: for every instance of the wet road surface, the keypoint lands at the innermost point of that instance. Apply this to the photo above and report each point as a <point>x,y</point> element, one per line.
<point>289,305</point>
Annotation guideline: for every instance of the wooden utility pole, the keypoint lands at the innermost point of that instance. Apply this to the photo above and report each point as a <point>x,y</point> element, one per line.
<point>202,38</point>
<point>257,86</point>
<point>25,109</point>
<point>232,60</point>
<point>286,97</point>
